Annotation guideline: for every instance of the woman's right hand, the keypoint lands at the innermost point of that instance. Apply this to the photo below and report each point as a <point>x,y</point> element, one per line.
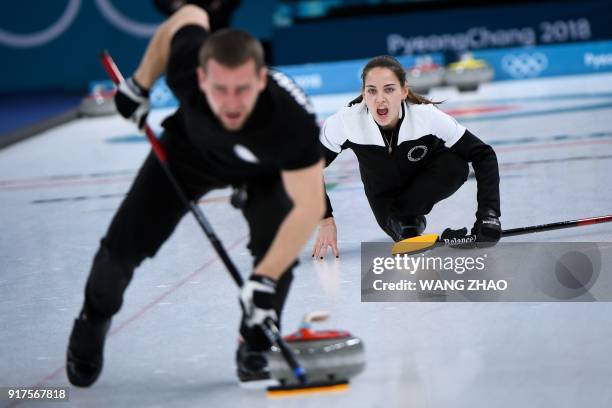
<point>326,237</point>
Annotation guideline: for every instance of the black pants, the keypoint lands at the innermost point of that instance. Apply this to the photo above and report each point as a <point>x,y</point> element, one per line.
<point>152,209</point>
<point>438,180</point>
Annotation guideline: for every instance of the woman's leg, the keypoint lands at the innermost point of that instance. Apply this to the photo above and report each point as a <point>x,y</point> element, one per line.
<point>404,215</point>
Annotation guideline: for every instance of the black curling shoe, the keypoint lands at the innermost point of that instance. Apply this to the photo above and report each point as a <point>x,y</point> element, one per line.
<point>86,351</point>
<point>252,368</point>
<point>406,227</point>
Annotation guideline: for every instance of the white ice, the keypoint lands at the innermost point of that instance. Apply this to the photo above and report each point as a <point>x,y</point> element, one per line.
<point>172,344</point>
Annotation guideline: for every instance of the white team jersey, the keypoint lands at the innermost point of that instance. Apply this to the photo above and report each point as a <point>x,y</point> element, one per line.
<point>356,125</point>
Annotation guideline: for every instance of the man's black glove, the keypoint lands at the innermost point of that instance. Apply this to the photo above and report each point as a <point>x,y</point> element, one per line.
<point>257,300</point>
<point>487,227</point>
<point>132,101</point>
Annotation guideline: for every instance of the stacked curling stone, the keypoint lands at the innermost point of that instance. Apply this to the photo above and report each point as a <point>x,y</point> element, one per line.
<point>424,75</point>
<point>468,73</point>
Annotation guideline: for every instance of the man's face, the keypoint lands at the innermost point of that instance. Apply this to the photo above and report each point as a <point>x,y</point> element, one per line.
<point>232,92</point>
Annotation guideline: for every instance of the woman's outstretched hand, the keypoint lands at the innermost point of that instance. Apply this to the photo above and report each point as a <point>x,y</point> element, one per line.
<point>326,237</point>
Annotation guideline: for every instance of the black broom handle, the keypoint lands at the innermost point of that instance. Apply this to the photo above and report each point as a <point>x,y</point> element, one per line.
<point>556,225</point>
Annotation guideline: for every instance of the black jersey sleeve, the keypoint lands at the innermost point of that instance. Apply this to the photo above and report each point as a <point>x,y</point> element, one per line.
<point>301,149</point>
<point>183,60</point>
<point>299,141</point>
<point>484,161</point>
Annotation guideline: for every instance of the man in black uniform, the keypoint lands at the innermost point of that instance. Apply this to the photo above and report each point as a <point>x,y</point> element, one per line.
<point>237,124</point>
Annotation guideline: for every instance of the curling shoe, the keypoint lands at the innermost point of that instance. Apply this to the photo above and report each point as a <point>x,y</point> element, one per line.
<point>86,351</point>
<point>406,227</point>
<point>252,368</point>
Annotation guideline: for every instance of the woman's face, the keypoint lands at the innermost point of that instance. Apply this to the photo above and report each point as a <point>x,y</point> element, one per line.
<point>383,95</point>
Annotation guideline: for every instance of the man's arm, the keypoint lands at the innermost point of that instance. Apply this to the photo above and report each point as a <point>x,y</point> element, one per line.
<point>305,189</point>
<point>155,59</point>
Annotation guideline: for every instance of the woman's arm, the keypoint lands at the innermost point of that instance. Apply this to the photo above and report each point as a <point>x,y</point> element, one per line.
<point>332,140</point>
<point>329,156</point>
<point>484,161</point>
<point>487,227</point>
<point>327,233</point>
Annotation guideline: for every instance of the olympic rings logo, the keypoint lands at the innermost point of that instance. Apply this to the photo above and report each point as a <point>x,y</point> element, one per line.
<point>524,65</point>
<point>56,29</point>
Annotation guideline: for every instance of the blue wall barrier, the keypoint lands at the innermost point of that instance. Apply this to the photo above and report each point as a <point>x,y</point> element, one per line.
<point>446,31</point>
<point>509,63</point>
<point>55,44</point>
<point>315,79</point>
<point>337,77</point>
<point>521,63</point>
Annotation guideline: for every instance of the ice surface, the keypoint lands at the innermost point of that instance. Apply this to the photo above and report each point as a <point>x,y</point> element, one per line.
<point>172,344</point>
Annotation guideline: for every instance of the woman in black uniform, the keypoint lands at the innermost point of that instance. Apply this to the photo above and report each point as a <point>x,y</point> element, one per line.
<point>411,155</point>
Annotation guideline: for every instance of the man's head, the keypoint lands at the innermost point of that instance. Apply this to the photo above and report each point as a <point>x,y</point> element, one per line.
<point>232,74</point>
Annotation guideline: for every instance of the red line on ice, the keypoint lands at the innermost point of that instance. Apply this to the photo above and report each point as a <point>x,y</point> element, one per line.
<point>142,311</point>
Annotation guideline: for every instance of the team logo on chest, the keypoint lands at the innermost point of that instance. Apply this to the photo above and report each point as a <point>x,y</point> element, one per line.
<point>245,154</point>
<point>417,153</point>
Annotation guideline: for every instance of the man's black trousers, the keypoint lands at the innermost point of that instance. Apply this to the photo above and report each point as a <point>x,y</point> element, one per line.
<point>151,211</point>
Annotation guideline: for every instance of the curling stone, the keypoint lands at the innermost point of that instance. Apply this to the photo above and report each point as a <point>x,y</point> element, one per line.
<point>425,75</point>
<point>99,102</point>
<point>329,357</point>
<point>468,73</point>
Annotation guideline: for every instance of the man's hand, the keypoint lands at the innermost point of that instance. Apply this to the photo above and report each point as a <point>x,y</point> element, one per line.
<point>132,101</point>
<point>327,236</point>
<point>257,300</point>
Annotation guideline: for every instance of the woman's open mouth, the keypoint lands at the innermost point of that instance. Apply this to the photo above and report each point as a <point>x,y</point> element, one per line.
<point>382,112</point>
